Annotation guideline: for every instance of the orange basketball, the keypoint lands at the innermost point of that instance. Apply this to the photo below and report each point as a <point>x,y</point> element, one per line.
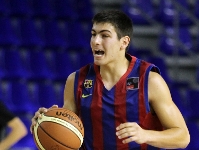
<point>59,129</point>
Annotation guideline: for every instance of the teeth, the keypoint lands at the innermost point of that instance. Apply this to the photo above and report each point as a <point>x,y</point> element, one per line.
<point>99,52</point>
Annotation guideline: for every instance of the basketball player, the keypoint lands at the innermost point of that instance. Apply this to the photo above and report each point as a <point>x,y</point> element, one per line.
<point>123,101</point>
<point>17,128</point>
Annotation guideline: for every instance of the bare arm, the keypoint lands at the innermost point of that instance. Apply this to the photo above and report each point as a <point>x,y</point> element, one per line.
<point>175,135</point>
<point>18,131</point>
<point>69,100</point>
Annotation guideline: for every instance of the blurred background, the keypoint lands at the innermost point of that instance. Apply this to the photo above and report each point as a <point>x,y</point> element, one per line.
<point>43,41</point>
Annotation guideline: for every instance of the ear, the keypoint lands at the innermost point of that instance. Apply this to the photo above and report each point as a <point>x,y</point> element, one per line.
<point>125,42</point>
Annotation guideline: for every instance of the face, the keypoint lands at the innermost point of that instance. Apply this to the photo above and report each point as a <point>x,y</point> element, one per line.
<point>106,46</point>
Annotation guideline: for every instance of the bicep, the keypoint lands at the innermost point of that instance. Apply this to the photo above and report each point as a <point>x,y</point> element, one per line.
<point>161,101</point>
<point>69,99</point>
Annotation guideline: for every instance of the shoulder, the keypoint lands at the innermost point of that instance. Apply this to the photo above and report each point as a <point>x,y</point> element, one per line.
<point>71,76</point>
<point>155,78</point>
<point>158,89</point>
<point>156,82</point>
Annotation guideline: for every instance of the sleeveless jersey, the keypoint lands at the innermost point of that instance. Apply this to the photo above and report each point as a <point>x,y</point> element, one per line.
<point>102,110</point>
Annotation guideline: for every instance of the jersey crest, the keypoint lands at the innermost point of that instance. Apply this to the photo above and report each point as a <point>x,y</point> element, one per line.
<point>88,83</point>
<point>132,83</point>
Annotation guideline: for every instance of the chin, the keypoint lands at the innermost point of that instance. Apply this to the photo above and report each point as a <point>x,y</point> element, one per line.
<point>98,63</point>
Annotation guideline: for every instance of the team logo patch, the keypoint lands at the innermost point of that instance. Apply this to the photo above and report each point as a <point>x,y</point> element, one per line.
<point>88,83</point>
<point>132,83</point>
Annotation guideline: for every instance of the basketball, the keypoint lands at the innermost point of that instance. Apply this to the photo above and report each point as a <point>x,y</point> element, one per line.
<point>58,129</point>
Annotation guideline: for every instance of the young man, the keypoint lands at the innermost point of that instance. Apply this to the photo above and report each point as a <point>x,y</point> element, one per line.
<point>17,128</point>
<point>123,101</point>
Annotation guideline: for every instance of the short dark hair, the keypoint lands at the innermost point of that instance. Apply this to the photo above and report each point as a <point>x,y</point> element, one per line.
<point>121,22</point>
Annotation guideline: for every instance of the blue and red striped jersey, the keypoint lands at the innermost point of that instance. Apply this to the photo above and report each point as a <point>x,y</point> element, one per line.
<point>102,110</point>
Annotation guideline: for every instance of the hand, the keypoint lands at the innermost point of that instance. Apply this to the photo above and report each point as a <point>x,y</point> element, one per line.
<point>131,131</point>
<point>38,115</point>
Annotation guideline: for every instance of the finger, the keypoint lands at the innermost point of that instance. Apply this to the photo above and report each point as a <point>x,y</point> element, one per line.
<point>125,125</point>
<point>54,106</point>
<point>129,139</point>
<point>36,116</point>
<point>126,134</point>
<point>121,126</point>
<point>31,129</point>
<point>122,132</point>
<point>42,110</point>
<point>33,124</point>
<point>126,130</point>
<point>34,121</point>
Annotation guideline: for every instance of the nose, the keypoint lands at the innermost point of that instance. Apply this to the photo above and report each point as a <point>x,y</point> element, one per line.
<point>96,40</point>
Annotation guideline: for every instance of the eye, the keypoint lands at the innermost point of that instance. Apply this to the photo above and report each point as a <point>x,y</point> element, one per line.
<point>93,34</point>
<point>105,35</point>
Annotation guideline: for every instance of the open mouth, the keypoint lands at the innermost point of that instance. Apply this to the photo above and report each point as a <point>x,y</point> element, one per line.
<point>99,52</point>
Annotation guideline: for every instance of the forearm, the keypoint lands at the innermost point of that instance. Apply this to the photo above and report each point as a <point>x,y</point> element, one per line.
<point>169,139</point>
<point>10,140</point>
<point>7,142</point>
<point>18,131</point>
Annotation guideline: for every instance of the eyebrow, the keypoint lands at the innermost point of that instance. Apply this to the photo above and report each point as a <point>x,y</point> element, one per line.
<point>101,31</point>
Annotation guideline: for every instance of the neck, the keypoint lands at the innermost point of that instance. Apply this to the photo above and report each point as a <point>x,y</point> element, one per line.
<point>112,73</point>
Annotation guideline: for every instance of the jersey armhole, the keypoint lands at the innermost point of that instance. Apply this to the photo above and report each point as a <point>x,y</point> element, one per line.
<point>154,69</point>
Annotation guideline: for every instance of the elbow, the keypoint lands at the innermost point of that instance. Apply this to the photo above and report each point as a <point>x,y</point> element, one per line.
<point>186,140</point>
<point>184,145</point>
<point>24,131</point>
<point>182,139</point>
